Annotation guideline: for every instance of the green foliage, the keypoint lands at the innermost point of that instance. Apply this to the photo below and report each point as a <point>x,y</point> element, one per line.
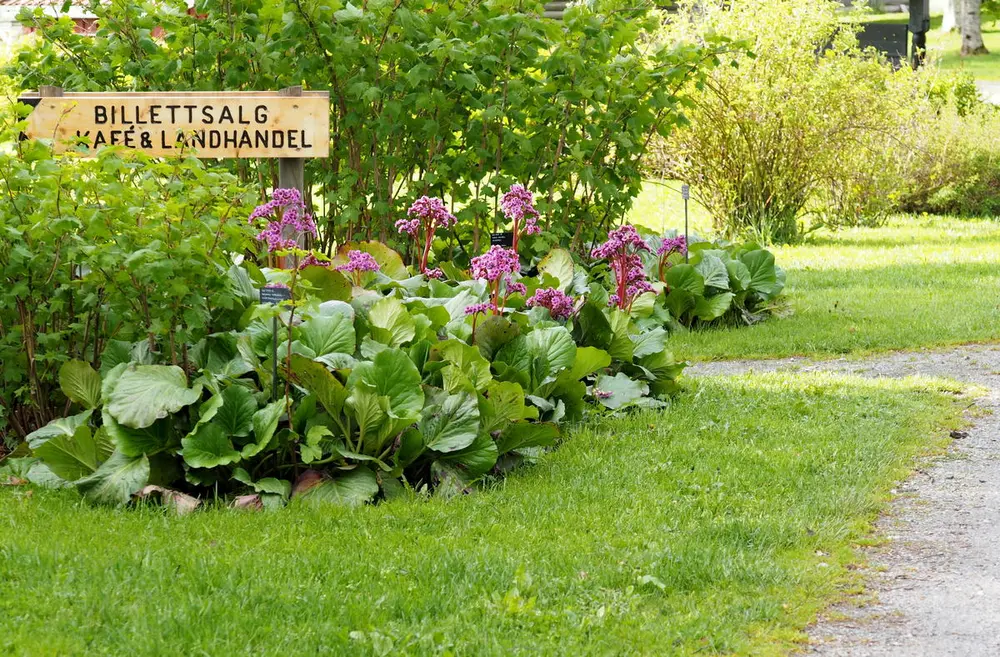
<point>398,387</point>
<point>458,101</point>
<point>809,130</point>
<point>119,255</point>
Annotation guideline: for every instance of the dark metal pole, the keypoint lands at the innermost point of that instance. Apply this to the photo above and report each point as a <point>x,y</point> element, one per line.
<point>685,194</point>
<point>919,26</point>
<point>274,358</point>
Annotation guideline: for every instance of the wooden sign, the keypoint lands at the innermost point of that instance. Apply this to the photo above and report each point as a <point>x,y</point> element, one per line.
<point>204,124</point>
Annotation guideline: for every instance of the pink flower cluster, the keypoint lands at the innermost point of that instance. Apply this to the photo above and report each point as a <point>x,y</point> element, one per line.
<point>559,303</point>
<point>495,263</point>
<point>673,245</point>
<point>497,266</point>
<point>359,261</point>
<point>622,251</point>
<point>519,207</point>
<point>429,214</point>
<point>435,273</point>
<point>478,308</point>
<point>670,245</point>
<point>312,261</point>
<point>285,210</point>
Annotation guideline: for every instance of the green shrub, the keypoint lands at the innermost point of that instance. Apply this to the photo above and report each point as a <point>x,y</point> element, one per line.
<point>118,247</point>
<point>807,128</point>
<point>457,101</point>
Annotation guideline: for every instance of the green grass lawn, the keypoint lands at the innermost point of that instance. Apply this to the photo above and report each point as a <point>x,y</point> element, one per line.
<point>945,46</point>
<point>720,526</point>
<point>920,282</point>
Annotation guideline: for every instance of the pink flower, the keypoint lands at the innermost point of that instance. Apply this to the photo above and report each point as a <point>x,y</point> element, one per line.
<point>495,263</point>
<point>602,394</point>
<point>478,308</point>
<point>359,261</point>
<point>672,245</point>
<point>559,303</point>
<point>622,252</point>
<point>436,274</point>
<point>312,261</point>
<point>284,211</point>
<point>431,212</point>
<point>514,287</point>
<point>518,206</point>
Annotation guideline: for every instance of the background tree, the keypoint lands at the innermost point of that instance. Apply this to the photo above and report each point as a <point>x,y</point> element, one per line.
<point>971,28</point>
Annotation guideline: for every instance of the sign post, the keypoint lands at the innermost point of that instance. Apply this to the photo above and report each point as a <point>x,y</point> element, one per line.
<point>685,194</point>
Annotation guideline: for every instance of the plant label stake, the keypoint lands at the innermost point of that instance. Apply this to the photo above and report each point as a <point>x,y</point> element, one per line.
<point>685,194</point>
<point>274,296</point>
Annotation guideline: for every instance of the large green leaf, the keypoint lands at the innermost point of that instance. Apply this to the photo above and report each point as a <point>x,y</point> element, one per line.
<point>68,447</point>
<point>739,275</point>
<point>327,334</point>
<point>679,301</point>
<point>709,308</point>
<point>503,403</point>
<point>527,434</point>
<point>558,264</point>
<point>713,271</point>
<point>116,352</point>
<point>476,459</point>
<point>589,360</point>
<point>146,393</point>
<point>623,390</point>
<point>555,344</point>
<point>352,488</point>
<point>395,381</point>
<point>649,342</point>
<point>492,333</point>
<point>686,277</point>
<point>621,347</point>
<point>209,447</point>
<point>467,359</point>
<point>390,323</point>
<point>591,327</point>
<point>451,423</point>
<point>763,277</point>
<point>117,480</point>
<point>236,414</point>
<point>136,442</point>
<point>328,283</point>
<point>265,423</point>
<point>80,383</point>
<point>318,380</point>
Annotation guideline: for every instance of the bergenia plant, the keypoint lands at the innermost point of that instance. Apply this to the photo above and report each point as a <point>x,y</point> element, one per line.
<point>519,208</point>
<point>358,263</point>
<point>670,246</point>
<point>622,253</point>
<point>497,267</point>
<point>425,216</point>
<point>286,218</point>
<point>559,303</point>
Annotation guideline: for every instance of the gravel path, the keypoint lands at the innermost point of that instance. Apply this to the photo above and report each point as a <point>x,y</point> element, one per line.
<point>934,589</point>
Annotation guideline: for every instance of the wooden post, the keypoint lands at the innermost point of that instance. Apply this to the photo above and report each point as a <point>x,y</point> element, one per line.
<point>46,90</point>
<point>292,175</point>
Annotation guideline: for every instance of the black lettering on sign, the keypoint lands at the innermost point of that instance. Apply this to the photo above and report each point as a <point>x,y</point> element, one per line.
<point>502,239</point>
<point>260,114</point>
<point>154,114</point>
<point>275,295</point>
<point>226,116</point>
<point>100,114</point>
<point>206,115</point>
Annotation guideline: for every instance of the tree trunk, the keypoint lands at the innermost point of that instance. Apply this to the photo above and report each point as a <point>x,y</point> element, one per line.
<point>952,12</point>
<point>972,31</point>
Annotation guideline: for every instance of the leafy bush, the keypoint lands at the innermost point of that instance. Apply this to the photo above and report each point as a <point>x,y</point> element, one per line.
<point>372,378</point>
<point>807,127</point>
<point>956,169</point>
<point>116,248</point>
<point>720,282</point>
<point>457,101</point>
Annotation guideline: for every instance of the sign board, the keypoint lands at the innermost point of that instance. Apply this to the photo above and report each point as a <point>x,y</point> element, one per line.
<point>275,295</point>
<point>502,239</point>
<point>236,124</point>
